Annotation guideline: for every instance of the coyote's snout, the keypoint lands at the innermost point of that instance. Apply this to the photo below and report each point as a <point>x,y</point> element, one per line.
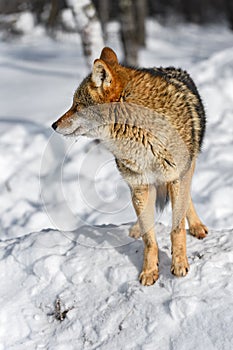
<point>153,122</point>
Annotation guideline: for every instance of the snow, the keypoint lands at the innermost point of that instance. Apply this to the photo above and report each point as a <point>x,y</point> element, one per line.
<point>110,310</point>
<point>65,212</point>
<point>25,22</point>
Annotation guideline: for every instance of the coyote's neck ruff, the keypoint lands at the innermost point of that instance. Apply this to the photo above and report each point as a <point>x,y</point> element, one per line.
<point>153,122</point>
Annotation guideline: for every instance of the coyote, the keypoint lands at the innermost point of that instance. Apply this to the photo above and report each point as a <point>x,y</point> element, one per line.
<point>153,122</point>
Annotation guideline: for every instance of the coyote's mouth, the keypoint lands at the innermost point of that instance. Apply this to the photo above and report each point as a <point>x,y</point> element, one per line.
<point>75,132</point>
<point>78,131</point>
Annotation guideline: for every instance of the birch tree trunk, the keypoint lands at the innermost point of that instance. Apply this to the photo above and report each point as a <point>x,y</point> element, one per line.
<point>89,28</point>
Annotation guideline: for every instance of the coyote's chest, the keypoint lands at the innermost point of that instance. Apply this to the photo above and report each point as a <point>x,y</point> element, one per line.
<point>140,164</point>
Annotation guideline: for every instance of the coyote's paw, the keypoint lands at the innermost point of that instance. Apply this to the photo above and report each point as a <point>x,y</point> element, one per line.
<point>134,231</point>
<point>180,266</point>
<point>198,230</point>
<point>147,278</point>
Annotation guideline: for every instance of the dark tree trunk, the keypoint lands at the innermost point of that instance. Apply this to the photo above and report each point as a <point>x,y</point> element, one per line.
<point>128,31</point>
<point>193,11</point>
<point>229,12</point>
<point>103,11</point>
<point>56,7</point>
<point>140,14</point>
<point>38,7</point>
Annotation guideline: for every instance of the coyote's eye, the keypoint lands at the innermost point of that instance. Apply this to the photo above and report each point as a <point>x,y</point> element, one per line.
<point>79,106</point>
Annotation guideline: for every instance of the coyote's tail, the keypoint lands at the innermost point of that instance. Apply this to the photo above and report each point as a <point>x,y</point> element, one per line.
<point>162,197</point>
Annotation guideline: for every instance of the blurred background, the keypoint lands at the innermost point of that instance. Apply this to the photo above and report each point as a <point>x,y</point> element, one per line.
<point>20,16</point>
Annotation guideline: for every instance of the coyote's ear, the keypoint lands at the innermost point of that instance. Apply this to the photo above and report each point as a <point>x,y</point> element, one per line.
<point>101,74</point>
<point>109,56</point>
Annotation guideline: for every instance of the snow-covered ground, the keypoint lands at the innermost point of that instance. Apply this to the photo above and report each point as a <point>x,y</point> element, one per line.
<point>66,212</point>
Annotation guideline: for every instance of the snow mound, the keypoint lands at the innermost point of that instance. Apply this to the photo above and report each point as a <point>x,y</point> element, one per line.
<point>95,280</point>
<point>25,22</point>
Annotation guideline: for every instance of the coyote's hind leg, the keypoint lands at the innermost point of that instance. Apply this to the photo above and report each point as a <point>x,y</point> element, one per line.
<point>196,227</point>
<point>180,265</point>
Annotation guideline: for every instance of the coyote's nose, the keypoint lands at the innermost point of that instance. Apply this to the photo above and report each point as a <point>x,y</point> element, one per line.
<point>54,125</point>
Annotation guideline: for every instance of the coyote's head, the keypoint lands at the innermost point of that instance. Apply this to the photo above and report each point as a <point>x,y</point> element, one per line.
<point>104,85</point>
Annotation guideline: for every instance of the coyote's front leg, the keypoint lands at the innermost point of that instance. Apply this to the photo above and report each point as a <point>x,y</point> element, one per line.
<point>144,203</point>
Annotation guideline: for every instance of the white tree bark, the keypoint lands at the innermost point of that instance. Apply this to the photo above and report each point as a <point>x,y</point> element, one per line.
<point>89,28</point>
